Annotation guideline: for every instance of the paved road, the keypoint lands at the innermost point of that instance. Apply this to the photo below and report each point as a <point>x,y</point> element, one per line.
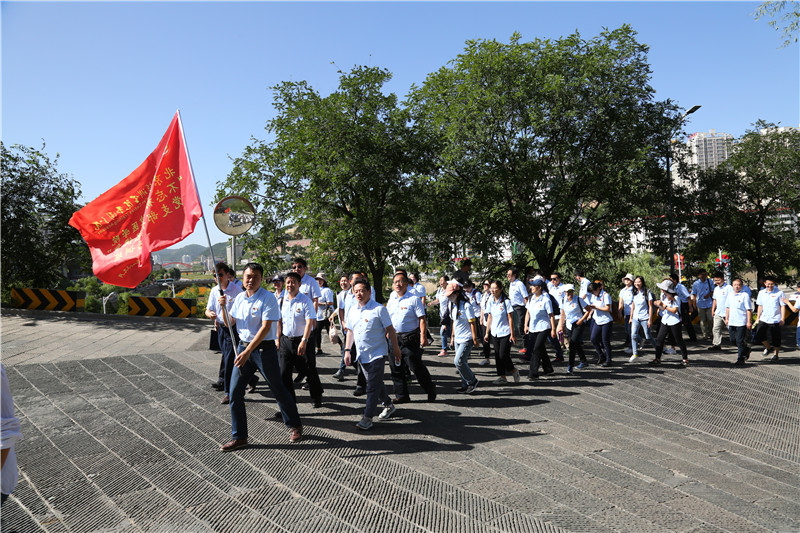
<point>122,434</point>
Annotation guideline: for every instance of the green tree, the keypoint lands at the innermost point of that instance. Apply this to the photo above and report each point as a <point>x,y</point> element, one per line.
<point>788,23</point>
<point>748,201</point>
<point>38,201</point>
<point>555,145</point>
<point>339,167</point>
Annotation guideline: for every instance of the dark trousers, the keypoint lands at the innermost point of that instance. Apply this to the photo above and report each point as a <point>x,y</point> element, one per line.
<point>306,364</point>
<point>687,322</point>
<point>502,355</point>
<point>675,329</point>
<point>537,346</point>
<point>519,319</point>
<point>317,334</point>
<point>576,343</point>
<point>265,359</point>
<point>601,339</point>
<point>228,355</point>
<point>739,337</point>
<point>486,349</point>
<point>412,360</point>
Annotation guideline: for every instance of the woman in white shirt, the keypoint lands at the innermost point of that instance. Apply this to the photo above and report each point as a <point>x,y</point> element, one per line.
<point>641,316</point>
<point>670,309</point>
<point>499,324</point>
<point>574,316</point>
<point>600,302</point>
<point>539,325</point>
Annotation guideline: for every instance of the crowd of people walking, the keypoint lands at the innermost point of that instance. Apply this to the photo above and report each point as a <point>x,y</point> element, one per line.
<point>279,333</point>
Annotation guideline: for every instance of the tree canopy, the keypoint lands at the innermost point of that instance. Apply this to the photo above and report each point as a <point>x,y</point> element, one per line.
<point>341,167</point>
<point>745,205</point>
<point>38,201</point>
<point>553,144</point>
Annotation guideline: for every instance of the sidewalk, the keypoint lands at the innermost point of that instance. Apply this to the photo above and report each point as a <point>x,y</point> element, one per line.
<point>122,433</point>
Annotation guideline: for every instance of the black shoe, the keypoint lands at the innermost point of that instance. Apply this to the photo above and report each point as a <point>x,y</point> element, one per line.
<point>462,390</point>
<point>217,385</point>
<point>316,402</point>
<point>305,386</point>
<point>740,362</point>
<point>359,391</point>
<point>654,362</point>
<point>606,364</point>
<point>399,400</point>
<point>533,377</point>
<point>299,378</point>
<point>277,415</point>
<point>559,359</point>
<point>252,386</point>
<point>547,372</point>
<point>431,396</point>
<point>714,347</point>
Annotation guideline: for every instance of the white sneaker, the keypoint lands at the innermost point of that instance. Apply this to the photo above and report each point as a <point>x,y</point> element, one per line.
<point>766,352</point>
<point>387,412</point>
<point>633,358</point>
<point>501,380</point>
<point>484,362</point>
<point>628,350</point>
<point>516,375</point>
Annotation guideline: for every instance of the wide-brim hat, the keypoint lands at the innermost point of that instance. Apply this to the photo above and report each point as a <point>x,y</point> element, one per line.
<point>628,276</point>
<point>321,275</point>
<point>667,286</point>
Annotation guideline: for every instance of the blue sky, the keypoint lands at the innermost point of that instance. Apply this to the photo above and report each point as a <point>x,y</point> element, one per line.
<point>100,81</point>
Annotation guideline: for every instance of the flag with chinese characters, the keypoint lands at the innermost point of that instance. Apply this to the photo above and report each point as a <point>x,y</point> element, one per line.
<point>153,208</point>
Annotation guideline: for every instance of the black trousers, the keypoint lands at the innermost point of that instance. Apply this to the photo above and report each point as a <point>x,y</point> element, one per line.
<point>675,330</point>
<point>537,346</point>
<point>412,360</point>
<point>307,364</point>
<point>687,322</point>
<point>502,355</point>
<point>576,343</point>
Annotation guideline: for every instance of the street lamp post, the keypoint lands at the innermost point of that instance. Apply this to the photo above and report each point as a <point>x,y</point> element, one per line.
<point>669,189</point>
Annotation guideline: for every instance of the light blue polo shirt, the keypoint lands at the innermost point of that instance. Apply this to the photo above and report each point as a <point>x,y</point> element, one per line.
<point>539,308</point>
<point>251,312</point>
<point>500,311</point>
<point>368,324</point>
<point>701,289</point>
<point>626,295</point>
<point>668,317</point>
<point>771,303</point>
<point>461,318</point>
<point>738,303</point>
<point>573,309</point>
<point>641,311</point>
<point>405,311</point>
<point>517,293</point>
<point>603,299</point>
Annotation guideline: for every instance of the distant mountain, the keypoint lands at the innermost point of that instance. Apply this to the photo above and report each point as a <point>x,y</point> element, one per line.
<point>172,254</point>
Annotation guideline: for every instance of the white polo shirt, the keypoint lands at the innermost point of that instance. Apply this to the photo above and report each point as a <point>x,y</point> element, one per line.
<point>405,311</point>
<point>231,291</point>
<point>294,314</point>
<point>771,305</point>
<point>517,293</point>
<point>720,294</point>
<point>250,312</point>
<point>626,295</point>
<point>603,299</point>
<point>368,324</point>
<point>738,303</point>
<point>539,310</point>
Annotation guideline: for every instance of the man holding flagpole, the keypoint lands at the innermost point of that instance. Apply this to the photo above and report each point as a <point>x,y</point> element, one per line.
<point>256,314</point>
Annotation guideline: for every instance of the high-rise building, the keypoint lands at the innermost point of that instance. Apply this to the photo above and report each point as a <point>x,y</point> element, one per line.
<point>707,150</point>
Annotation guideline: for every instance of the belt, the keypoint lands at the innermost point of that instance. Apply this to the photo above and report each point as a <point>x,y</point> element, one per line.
<point>247,343</point>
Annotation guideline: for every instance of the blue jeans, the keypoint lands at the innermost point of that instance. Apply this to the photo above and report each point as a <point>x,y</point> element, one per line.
<point>446,333</point>
<point>265,358</point>
<point>635,325</point>
<point>376,389</point>
<point>463,350</point>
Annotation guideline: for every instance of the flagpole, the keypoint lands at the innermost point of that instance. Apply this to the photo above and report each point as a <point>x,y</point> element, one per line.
<point>225,315</point>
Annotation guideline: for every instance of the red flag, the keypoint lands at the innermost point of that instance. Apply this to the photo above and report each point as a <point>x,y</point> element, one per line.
<point>153,208</point>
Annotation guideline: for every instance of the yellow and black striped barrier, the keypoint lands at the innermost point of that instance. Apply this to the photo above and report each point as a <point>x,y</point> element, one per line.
<point>48,299</point>
<point>152,306</point>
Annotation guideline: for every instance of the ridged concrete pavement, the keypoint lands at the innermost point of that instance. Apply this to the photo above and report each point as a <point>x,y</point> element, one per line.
<point>122,433</point>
